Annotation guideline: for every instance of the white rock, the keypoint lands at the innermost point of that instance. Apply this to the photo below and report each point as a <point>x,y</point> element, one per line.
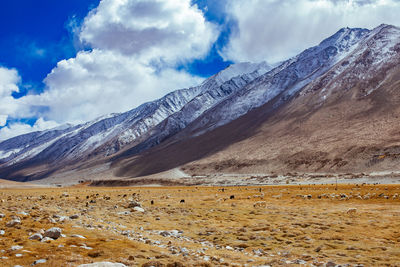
<point>134,204</point>
<point>46,239</point>
<point>2,215</point>
<point>36,236</point>
<point>139,209</point>
<point>13,223</point>
<point>103,264</point>
<point>18,255</point>
<point>16,248</point>
<point>54,233</point>
<point>2,232</point>
<point>86,247</point>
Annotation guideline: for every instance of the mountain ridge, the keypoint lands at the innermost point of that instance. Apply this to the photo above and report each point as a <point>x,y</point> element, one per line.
<point>311,79</point>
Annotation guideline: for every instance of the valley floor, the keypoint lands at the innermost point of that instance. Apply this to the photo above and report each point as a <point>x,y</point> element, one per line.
<point>214,226</point>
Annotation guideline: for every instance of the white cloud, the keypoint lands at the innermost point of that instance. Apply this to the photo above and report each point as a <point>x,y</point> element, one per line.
<point>9,80</point>
<point>3,120</point>
<point>274,30</point>
<point>16,108</point>
<point>136,46</point>
<point>162,30</point>
<point>99,82</point>
<point>15,129</point>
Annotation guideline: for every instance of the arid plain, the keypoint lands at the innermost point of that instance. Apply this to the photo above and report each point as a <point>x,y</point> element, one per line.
<point>312,225</point>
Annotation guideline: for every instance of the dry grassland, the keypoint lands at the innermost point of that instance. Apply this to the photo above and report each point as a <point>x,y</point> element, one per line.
<point>290,225</point>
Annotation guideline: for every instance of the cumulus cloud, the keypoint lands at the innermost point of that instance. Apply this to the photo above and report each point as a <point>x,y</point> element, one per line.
<point>162,30</point>
<point>3,120</point>
<point>15,129</point>
<point>274,30</point>
<point>99,82</point>
<point>9,81</point>
<point>15,108</point>
<point>136,46</point>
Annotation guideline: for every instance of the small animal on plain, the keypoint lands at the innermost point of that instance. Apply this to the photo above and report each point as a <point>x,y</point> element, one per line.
<point>182,201</point>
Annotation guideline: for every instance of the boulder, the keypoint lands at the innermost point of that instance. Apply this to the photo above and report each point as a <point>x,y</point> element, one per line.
<point>134,204</point>
<point>53,233</point>
<point>13,223</point>
<point>36,236</point>
<point>139,209</point>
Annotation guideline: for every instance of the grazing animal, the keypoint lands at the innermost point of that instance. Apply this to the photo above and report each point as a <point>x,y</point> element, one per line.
<point>232,197</point>
<point>152,202</point>
<point>182,201</point>
<point>351,211</point>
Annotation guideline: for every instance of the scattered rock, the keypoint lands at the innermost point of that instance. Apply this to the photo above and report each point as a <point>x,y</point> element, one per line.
<point>139,209</point>
<point>46,239</point>
<point>2,232</point>
<point>134,204</point>
<point>13,223</point>
<point>75,216</point>
<point>53,233</point>
<point>94,254</point>
<point>330,264</point>
<point>13,248</point>
<point>36,236</point>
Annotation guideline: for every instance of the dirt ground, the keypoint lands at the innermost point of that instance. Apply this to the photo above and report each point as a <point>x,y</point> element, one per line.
<point>214,226</point>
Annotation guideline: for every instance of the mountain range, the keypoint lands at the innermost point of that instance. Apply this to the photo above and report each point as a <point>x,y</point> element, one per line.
<point>332,108</point>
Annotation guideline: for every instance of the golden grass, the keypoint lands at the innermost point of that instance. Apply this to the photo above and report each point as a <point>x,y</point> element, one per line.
<point>290,227</point>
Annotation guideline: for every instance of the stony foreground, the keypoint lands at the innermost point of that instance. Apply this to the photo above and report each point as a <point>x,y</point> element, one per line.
<point>202,226</point>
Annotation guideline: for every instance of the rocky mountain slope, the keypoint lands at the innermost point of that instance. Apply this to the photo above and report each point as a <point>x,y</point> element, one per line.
<point>333,107</point>
<point>110,134</point>
<point>339,115</point>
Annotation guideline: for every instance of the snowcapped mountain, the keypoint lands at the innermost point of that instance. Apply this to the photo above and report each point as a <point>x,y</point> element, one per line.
<point>111,133</point>
<point>349,58</point>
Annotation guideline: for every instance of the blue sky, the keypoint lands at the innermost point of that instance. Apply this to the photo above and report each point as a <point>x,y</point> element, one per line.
<point>35,35</point>
<point>44,36</point>
<point>70,61</point>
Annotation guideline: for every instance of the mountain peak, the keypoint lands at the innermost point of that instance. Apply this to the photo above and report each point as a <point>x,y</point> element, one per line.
<point>238,69</point>
<point>345,37</point>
